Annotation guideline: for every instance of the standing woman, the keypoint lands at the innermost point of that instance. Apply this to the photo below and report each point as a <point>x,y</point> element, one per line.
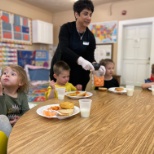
<point>77,44</point>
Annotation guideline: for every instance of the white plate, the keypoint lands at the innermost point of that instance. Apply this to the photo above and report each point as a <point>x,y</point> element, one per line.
<point>119,92</point>
<point>40,111</point>
<point>150,88</point>
<point>89,94</point>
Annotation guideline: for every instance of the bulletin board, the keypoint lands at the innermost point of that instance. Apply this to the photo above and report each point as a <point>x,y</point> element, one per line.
<point>15,28</point>
<point>103,51</point>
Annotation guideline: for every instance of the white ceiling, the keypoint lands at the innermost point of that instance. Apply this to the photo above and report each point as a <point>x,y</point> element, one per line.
<point>62,5</point>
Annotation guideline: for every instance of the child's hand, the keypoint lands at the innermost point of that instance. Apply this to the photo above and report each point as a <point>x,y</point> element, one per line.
<point>13,121</point>
<point>52,84</point>
<point>79,87</point>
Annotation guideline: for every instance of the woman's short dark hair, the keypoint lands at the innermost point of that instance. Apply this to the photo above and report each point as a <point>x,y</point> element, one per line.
<point>83,4</point>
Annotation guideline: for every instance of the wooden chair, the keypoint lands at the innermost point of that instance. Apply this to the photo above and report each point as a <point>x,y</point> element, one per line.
<point>117,77</point>
<point>3,143</point>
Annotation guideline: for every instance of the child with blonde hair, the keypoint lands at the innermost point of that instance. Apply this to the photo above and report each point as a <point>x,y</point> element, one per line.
<point>13,88</point>
<point>62,75</point>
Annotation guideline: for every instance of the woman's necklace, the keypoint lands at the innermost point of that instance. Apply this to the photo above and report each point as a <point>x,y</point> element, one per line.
<point>81,34</point>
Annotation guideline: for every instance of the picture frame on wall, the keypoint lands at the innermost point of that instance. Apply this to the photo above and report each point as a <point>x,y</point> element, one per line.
<point>103,51</point>
<point>104,32</point>
<point>15,28</point>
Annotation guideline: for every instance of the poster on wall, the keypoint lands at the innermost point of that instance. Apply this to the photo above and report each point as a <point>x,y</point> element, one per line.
<point>42,58</point>
<point>26,57</point>
<point>15,28</point>
<point>103,51</point>
<point>104,32</point>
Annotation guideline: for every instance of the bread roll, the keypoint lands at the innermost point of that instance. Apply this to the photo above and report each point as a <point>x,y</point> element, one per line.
<point>102,88</point>
<point>119,88</point>
<point>65,112</point>
<point>67,105</point>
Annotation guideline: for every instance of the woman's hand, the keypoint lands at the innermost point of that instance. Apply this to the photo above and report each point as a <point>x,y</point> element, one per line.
<point>102,70</point>
<point>86,65</point>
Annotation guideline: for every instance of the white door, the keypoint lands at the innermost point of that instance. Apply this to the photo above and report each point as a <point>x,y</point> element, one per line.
<point>136,49</point>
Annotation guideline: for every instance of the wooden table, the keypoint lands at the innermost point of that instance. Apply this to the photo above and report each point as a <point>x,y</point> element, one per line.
<point>118,124</point>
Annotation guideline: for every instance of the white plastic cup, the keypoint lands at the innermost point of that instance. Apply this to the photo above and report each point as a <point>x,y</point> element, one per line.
<point>85,107</point>
<point>130,90</point>
<point>61,93</point>
<point>152,89</point>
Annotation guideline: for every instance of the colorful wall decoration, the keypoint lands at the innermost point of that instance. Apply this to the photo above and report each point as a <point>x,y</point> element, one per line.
<point>8,56</point>
<point>26,57</point>
<point>42,58</point>
<point>104,32</point>
<point>36,58</point>
<point>15,28</point>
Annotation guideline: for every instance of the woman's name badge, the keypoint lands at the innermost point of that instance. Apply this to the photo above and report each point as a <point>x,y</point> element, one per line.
<point>85,43</point>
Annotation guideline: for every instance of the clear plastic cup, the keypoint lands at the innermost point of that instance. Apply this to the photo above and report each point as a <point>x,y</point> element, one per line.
<point>130,90</point>
<point>85,107</point>
<point>61,93</point>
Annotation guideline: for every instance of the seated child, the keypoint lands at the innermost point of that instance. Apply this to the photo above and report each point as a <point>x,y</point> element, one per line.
<point>149,81</point>
<point>109,81</point>
<point>13,88</point>
<point>61,74</point>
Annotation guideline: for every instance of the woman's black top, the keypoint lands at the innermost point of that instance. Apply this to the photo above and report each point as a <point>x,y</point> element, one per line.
<point>71,46</point>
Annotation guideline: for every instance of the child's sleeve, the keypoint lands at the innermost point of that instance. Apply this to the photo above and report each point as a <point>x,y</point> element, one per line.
<point>147,80</point>
<point>24,105</point>
<point>3,109</point>
<point>73,88</point>
<point>47,94</point>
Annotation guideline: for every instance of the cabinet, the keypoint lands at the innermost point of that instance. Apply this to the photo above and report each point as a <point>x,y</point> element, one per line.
<point>42,32</point>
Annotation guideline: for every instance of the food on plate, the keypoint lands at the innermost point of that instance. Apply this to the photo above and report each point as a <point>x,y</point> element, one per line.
<point>49,113</point>
<point>82,94</point>
<point>63,109</point>
<point>54,108</point>
<point>119,88</point>
<point>77,93</point>
<point>67,108</point>
<point>65,112</point>
<point>74,93</point>
<point>102,88</point>
<point>67,105</point>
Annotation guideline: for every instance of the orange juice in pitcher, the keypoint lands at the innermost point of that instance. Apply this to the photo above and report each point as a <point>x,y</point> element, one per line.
<point>98,78</point>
